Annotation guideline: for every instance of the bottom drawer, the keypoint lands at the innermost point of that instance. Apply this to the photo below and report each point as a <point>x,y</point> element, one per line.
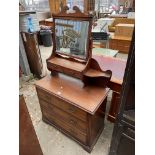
<point>72,131</point>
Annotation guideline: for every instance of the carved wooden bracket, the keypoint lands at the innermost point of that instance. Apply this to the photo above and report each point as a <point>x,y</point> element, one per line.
<point>64,9</point>
<point>76,12</point>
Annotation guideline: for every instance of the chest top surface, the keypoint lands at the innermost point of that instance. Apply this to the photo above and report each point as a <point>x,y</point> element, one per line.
<point>71,90</point>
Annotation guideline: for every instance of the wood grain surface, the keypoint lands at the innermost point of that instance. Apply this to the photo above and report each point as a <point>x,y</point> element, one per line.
<point>67,64</point>
<point>87,98</point>
<point>28,141</point>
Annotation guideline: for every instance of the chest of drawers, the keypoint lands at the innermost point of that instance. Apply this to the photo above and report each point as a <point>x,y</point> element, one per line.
<point>120,43</point>
<point>76,111</point>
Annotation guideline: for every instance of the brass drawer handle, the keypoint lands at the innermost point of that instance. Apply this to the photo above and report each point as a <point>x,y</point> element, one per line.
<point>71,121</point>
<point>71,109</point>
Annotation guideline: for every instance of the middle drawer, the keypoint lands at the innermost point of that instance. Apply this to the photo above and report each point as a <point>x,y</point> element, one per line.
<point>63,116</point>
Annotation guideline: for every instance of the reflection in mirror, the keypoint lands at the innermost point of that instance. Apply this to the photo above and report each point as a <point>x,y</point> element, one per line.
<point>71,37</point>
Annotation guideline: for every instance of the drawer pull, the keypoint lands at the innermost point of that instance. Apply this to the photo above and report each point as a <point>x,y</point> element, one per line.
<point>72,122</point>
<point>71,109</point>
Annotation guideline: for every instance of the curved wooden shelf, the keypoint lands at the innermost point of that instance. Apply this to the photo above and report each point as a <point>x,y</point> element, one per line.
<point>95,73</point>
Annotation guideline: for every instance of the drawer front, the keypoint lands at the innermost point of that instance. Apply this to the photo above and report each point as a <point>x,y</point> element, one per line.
<point>72,73</point>
<point>78,113</point>
<point>111,42</point>
<point>63,125</point>
<point>123,48</point>
<point>113,45</point>
<point>124,42</point>
<point>43,95</point>
<point>61,115</point>
<point>55,67</point>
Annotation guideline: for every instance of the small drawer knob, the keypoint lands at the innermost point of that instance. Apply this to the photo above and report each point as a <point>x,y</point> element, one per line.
<point>73,122</point>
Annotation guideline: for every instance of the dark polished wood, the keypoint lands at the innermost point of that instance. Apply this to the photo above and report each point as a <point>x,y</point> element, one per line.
<point>123,138</point>
<point>73,91</point>
<point>115,102</point>
<point>30,41</point>
<point>72,108</point>
<point>28,141</point>
<point>72,68</point>
<point>75,105</point>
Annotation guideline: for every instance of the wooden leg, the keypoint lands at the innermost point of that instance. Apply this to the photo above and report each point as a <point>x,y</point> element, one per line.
<point>115,102</point>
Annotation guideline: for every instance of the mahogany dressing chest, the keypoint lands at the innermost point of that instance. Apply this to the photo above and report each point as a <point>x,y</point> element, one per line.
<point>76,111</point>
<point>73,97</point>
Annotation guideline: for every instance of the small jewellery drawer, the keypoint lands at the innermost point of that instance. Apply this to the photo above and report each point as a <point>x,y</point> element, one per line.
<point>63,116</point>
<point>55,67</point>
<point>72,73</point>
<point>71,130</point>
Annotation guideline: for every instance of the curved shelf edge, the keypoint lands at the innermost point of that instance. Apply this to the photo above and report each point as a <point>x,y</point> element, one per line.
<point>93,74</point>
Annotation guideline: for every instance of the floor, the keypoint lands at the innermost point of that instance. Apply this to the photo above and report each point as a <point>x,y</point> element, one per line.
<point>51,140</point>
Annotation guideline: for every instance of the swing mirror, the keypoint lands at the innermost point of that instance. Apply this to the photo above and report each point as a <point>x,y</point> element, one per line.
<point>71,37</point>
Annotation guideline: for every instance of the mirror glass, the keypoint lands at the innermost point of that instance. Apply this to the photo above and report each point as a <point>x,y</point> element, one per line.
<point>71,37</point>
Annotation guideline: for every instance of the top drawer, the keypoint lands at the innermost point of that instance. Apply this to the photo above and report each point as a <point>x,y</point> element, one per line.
<point>60,103</point>
<point>43,95</point>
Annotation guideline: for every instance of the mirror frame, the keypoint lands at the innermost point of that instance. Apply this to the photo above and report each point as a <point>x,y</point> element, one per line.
<point>75,15</point>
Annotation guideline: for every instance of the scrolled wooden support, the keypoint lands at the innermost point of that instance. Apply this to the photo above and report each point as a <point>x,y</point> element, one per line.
<point>64,9</point>
<point>93,74</point>
<point>75,8</point>
<point>101,80</point>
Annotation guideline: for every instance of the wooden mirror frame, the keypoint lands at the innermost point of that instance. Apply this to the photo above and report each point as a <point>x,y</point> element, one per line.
<point>77,15</point>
